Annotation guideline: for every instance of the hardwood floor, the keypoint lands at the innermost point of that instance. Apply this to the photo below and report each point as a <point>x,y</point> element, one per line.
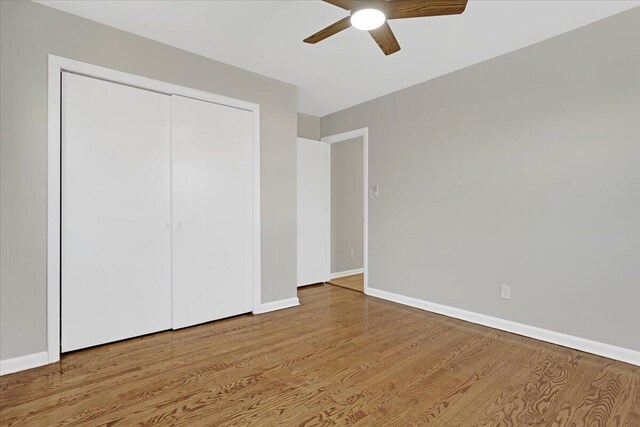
<point>354,282</point>
<point>341,358</point>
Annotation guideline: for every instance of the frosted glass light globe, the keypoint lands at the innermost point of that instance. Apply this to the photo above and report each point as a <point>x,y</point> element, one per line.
<point>368,19</point>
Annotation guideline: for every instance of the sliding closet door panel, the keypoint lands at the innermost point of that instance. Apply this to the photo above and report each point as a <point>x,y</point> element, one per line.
<point>212,211</point>
<point>115,212</point>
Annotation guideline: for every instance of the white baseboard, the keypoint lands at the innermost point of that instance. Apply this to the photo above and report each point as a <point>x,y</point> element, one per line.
<point>346,273</point>
<point>582,344</point>
<point>22,363</point>
<point>277,305</point>
<point>34,360</point>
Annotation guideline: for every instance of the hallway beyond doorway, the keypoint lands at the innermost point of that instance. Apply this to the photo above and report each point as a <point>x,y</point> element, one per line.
<point>354,282</point>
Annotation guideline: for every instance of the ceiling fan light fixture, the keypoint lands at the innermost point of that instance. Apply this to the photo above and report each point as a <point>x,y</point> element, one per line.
<point>367,19</point>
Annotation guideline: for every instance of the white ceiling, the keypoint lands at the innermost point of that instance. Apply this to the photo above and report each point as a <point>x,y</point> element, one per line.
<point>266,37</point>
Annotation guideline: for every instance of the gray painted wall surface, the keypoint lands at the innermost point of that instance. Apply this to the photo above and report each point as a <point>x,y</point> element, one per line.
<point>522,170</point>
<point>347,205</point>
<point>29,32</point>
<point>308,126</point>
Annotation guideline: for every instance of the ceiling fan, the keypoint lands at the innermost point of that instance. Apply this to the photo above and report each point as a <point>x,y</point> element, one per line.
<point>372,16</point>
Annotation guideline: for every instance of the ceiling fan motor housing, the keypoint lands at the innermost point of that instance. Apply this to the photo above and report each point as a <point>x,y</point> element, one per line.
<point>368,5</point>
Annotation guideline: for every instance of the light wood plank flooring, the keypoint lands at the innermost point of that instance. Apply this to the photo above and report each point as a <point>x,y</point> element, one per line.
<point>341,358</point>
<point>354,282</point>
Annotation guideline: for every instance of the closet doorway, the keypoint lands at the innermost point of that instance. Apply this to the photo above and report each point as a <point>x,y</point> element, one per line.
<point>153,206</point>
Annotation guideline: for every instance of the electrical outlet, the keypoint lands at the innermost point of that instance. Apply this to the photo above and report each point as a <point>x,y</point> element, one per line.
<point>352,253</point>
<point>505,292</point>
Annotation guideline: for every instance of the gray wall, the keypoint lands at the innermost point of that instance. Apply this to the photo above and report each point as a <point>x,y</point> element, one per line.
<point>347,205</point>
<point>522,170</point>
<point>29,32</point>
<point>308,126</point>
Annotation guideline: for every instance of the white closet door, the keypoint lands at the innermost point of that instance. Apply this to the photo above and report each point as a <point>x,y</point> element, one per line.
<point>212,211</point>
<point>313,214</point>
<point>115,212</point>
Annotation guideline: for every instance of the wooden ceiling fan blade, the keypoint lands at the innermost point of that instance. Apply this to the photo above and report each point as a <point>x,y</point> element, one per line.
<point>332,29</point>
<point>385,39</point>
<point>399,9</point>
<point>344,4</point>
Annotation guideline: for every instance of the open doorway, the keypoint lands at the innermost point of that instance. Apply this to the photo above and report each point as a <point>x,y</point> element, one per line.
<point>347,208</point>
<point>332,179</point>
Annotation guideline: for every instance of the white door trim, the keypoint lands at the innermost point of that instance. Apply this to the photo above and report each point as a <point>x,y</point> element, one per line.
<point>364,133</point>
<point>59,64</point>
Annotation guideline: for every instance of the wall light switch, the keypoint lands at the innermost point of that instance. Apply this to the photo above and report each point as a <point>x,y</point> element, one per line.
<point>352,253</point>
<point>505,292</point>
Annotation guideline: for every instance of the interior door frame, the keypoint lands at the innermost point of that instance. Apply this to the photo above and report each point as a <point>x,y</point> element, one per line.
<point>58,65</point>
<point>332,139</point>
